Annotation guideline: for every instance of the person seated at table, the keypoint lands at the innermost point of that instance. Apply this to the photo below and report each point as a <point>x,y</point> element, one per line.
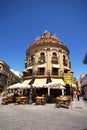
<point>25,93</point>
<point>3,94</point>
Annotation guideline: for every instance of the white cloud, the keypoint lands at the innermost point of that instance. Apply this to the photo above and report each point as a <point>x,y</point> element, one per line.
<point>17,73</point>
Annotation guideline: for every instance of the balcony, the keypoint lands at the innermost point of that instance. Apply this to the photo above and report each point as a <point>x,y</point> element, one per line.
<point>4,73</point>
<point>65,62</point>
<point>54,60</point>
<point>3,82</point>
<point>40,73</point>
<point>41,60</point>
<point>27,74</point>
<point>30,64</point>
<point>54,73</point>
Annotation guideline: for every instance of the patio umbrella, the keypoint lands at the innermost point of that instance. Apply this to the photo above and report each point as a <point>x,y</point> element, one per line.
<point>74,86</point>
<point>14,86</point>
<point>24,86</point>
<point>37,85</point>
<point>62,88</point>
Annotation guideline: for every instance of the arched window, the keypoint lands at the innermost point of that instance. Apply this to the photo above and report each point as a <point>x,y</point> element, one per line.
<point>54,54</point>
<point>54,58</point>
<point>42,58</point>
<point>0,67</point>
<point>64,61</point>
<point>42,54</point>
<point>32,59</point>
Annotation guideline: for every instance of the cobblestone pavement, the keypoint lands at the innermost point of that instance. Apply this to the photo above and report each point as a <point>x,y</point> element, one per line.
<point>43,117</point>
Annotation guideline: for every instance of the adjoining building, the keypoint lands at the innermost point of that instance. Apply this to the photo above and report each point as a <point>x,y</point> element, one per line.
<point>47,60</point>
<point>7,77</point>
<point>85,59</point>
<point>83,78</point>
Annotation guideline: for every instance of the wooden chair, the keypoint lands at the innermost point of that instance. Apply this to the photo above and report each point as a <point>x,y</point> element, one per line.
<point>43,100</point>
<point>18,100</point>
<point>38,100</point>
<point>4,100</point>
<point>24,100</point>
<point>10,99</point>
<point>63,101</point>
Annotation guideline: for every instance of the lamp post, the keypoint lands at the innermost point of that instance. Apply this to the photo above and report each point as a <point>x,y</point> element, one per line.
<point>30,94</point>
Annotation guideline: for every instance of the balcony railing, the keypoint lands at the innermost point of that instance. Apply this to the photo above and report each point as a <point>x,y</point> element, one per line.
<point>40,73</point>
<point>54,73</point>
<point>4,73</point>
<point>41,60</point>
<point>27,74</point>
<point>54,60</point>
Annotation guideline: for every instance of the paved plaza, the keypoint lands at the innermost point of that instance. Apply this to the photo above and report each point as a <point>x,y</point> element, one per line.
<point>43,117</point>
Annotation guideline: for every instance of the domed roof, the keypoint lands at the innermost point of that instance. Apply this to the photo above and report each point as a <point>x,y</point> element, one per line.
<point>47,38</point>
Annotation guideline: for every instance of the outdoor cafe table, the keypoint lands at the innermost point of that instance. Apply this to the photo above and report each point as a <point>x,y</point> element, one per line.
<point>5,100</point>
<point>63,101</point>
<point>22,99</point>
<point>40,100</point>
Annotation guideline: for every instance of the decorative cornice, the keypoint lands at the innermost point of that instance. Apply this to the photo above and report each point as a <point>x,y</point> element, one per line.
<point>36,46</point>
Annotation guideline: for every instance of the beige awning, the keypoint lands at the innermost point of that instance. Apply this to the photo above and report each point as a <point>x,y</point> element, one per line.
<point>59,81</point>
<point>41,66</point>
<point>55,66</point>
<point>15,86</point>
<point>74,85</point>
<point>27,69</point>
<point>40,81</point>
<point>26,82</point>
<point>66,68</point>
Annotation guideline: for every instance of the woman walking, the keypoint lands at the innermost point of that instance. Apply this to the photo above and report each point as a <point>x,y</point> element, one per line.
<point>78,94</point>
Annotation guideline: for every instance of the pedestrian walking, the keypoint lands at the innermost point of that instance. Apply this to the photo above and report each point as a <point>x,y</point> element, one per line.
<point>75,94</point>
<point>72,93</point>
<point>78,95</point>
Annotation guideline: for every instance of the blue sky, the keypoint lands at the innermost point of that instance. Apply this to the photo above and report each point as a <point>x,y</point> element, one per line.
<point>22,21</point>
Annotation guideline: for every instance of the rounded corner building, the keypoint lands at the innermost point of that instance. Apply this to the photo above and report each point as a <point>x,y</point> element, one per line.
<point>47,60</point>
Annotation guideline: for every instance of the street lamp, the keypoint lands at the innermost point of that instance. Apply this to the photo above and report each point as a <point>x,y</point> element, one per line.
<point>30,94</point>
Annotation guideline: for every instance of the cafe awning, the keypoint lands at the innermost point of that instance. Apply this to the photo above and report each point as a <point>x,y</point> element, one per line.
<point>59,81</point>
<point>39,83</point>
<point>74,85</point>
<point>14,86</point>
<point>26,82</point>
